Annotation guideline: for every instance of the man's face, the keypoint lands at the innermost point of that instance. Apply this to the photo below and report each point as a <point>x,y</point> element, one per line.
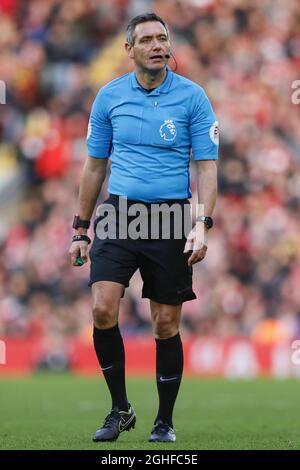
<point>151,43</point>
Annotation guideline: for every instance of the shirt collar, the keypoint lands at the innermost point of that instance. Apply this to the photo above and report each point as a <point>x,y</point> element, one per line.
<point>163,88</point>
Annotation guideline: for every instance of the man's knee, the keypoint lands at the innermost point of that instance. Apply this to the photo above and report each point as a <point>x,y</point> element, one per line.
<point>106,301</point>
<point>165,324</point>
<point>105,314</point>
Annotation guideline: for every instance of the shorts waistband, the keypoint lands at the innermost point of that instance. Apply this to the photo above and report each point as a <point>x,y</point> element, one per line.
<point>115,198</point>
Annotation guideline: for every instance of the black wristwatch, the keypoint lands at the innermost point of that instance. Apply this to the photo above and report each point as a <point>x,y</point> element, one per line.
<point>80,223</point>
<point>208,221</point>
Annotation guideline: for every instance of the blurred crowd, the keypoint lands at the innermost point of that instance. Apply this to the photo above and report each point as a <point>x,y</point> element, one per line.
<point>54,55</point>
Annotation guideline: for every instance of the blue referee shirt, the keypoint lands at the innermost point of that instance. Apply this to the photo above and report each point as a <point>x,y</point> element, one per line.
<point>149,136</point>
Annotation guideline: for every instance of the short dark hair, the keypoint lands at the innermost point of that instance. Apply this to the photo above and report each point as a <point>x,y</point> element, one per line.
<point>145,18</point>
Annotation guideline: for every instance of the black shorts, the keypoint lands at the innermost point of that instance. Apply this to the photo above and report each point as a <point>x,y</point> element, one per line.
<point>167,278</point>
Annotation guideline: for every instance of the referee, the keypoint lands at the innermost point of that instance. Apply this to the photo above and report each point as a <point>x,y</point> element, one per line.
<point>147,122</point>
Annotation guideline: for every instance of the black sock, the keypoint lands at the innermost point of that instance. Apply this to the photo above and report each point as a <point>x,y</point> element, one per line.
<point>109,348</point>
<point>169,367</point>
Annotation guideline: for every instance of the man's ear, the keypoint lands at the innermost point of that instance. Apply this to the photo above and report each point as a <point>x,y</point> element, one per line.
<point>129,50</point>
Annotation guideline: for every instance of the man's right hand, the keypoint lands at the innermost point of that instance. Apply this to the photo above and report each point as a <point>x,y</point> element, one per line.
<point>78,249</point>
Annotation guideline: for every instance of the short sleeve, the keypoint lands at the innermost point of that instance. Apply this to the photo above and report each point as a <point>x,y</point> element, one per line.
<point>99,135</point>
<point>204,128</point>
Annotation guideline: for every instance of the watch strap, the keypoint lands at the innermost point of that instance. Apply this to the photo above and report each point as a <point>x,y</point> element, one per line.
<point>208,221</point>
<point>81,238</point>
<point>80,223</point>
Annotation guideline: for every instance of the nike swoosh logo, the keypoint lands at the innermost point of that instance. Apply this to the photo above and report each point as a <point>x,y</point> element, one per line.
<point>167,379</point>
<point>123,424</point>
<point>106,368</point>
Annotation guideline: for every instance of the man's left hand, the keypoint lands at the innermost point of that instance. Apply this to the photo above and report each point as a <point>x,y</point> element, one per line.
<point>197,243</point>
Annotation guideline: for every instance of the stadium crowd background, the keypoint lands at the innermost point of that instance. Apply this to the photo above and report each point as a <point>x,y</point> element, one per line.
<point>54,55</point>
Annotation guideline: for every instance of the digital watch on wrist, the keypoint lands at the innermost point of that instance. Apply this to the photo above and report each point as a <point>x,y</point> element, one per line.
<point>80,223</point>
<point>208,221</point>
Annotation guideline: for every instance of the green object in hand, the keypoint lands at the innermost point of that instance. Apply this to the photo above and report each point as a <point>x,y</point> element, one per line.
<point>79,261</point>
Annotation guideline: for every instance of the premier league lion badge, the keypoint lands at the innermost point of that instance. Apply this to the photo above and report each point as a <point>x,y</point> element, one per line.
<point>168,130</point>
